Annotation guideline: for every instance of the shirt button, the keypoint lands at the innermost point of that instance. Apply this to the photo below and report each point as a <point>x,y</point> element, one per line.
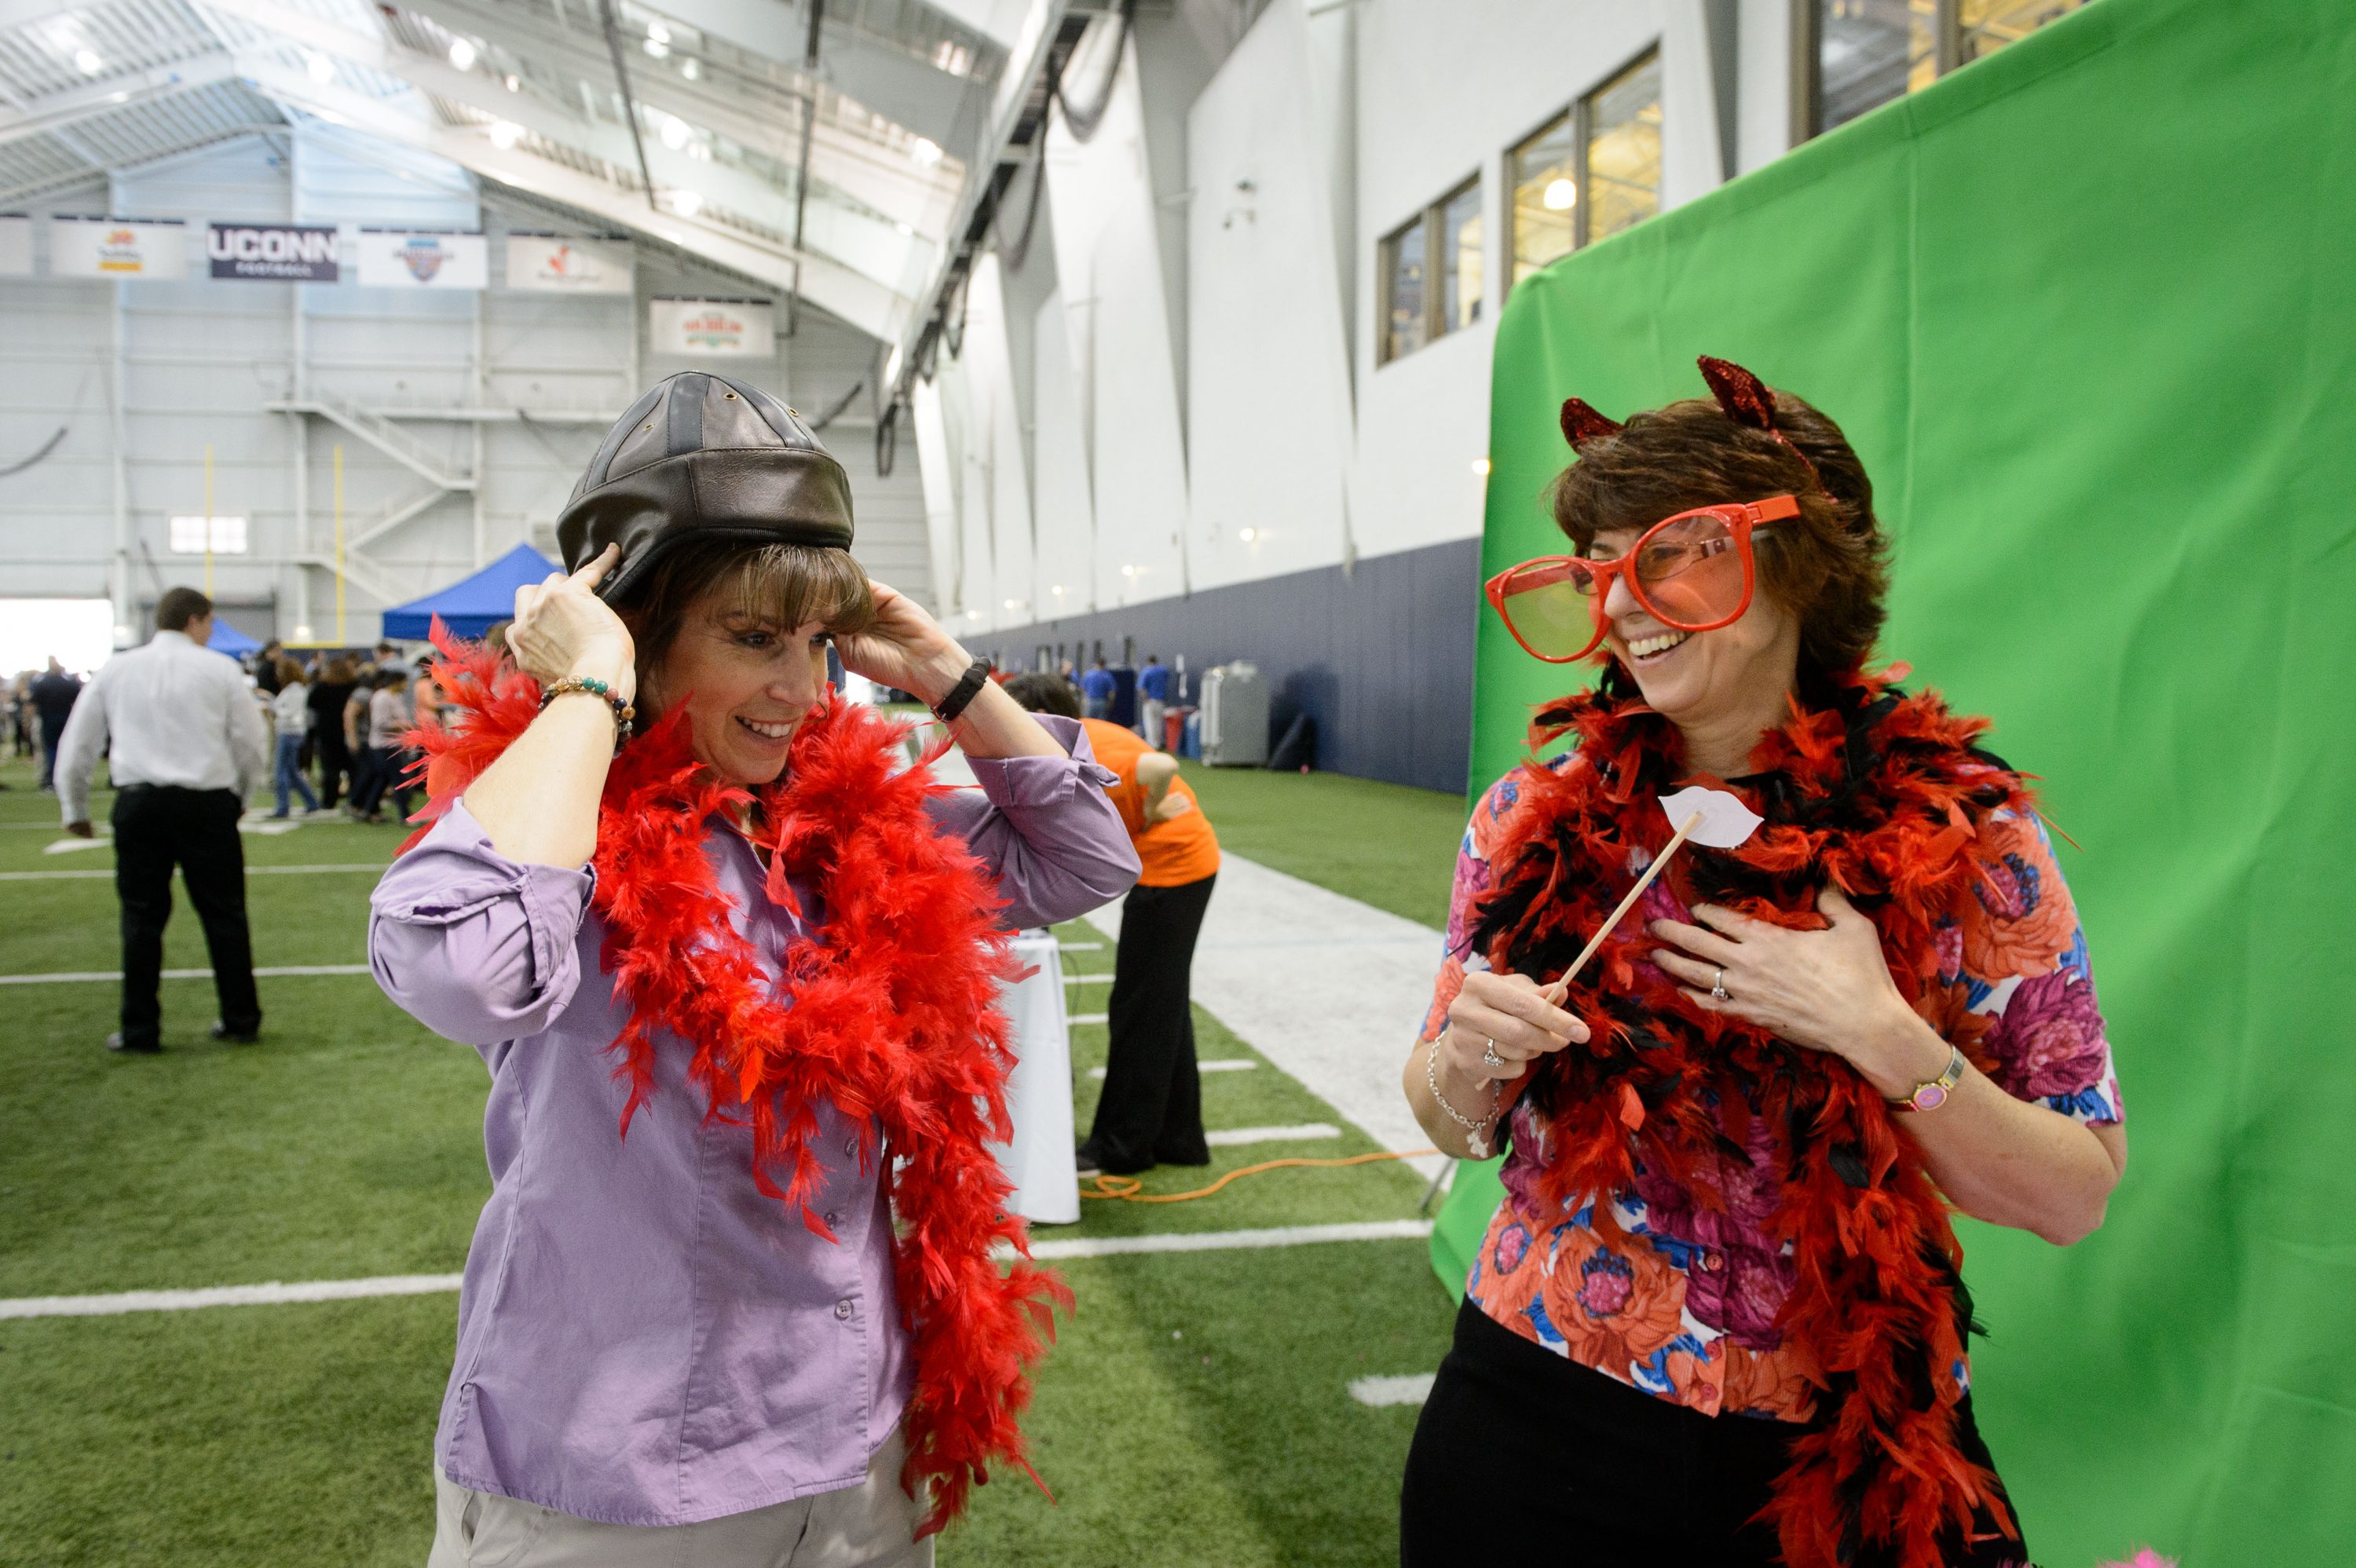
<point>842,1309</point>
<point>834,1218</point>
<point>851,1146</point>
<point>1711,1263</point>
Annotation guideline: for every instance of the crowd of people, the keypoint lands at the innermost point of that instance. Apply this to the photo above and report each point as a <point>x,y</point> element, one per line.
<point>336,718</point>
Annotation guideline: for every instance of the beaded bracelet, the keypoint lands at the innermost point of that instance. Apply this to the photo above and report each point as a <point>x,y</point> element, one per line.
<point>623,712</point>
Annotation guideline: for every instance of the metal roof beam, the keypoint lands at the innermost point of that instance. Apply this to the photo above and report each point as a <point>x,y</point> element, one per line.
<point>857,298</point>
<point>43,116</point>
<point>862,171</point>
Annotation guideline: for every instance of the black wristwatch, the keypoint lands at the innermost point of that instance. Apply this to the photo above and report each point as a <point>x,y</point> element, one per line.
<point>947,709</point>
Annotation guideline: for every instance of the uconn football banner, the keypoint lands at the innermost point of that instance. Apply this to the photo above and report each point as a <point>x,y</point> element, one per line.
<point>556,263</point>
<point>273,252</point>
<point>697,329</point>
<point>422,259</point>
<point>113,248</point>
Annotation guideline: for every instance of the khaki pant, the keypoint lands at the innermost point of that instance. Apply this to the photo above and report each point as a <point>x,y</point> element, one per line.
<point>870,1525</point>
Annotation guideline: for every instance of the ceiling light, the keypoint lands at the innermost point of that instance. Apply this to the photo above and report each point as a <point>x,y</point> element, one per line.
<point>1561,195</point>
<point>515,84</point>
<point>672,129</point>
<point>462,53</point>
<point>1248,535</point>
<point>321,68</point>
<point>906,230</point>
<point>1128,571</point>
<point>506,133</point>
<point>1014,604</point>
<point>657,47</point>
<point>690,68</point>
<point>686,203</point>
<point>301,634</point>
<point>1057,591</point>
<point>1479,465</point>
<point>87,62</point>
<point>658,33</point>
<point>926,152</point>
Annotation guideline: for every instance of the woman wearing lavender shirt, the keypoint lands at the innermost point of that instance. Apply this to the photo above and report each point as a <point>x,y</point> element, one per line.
<point>657,1363</point>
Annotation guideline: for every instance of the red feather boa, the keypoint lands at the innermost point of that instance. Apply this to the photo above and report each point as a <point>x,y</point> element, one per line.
<point>1878,792</point>
<point>892,1016</point>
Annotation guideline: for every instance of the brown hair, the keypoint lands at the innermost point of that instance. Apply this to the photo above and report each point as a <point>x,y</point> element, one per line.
<point>179,606</point>
<point>1830,566</point>
<point>1042,692</point>
<point>289,673</point>
<point>339,672</point>
<point>790,584</point>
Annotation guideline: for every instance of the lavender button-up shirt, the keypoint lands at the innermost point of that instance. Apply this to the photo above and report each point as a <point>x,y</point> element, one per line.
<point>643,1338</point>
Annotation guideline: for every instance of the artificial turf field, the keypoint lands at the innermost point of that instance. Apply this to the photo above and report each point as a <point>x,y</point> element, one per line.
<point>1195,1411</point>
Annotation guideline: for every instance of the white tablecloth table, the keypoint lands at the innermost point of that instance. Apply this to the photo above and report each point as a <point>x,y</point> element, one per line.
<point>1039,1092</point>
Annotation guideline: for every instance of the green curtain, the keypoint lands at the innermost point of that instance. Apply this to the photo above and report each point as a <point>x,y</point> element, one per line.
<point>2085,309</point>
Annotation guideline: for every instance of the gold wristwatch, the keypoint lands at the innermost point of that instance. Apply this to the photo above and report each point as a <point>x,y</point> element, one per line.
<point>1932,1092</point>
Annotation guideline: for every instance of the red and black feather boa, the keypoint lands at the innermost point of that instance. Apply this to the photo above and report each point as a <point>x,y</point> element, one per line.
<point>1880,792</point>
<point>890,1014</point>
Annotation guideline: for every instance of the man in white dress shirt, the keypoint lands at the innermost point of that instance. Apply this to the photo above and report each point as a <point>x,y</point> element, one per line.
<point>188,743</point>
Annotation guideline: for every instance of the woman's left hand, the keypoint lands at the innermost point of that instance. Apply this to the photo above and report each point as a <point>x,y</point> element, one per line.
<point>906,649</point>
<point>1826,990</point>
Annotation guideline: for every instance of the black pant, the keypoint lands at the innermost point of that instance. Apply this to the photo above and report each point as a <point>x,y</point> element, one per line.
<point>1151,1110</point>
<point>155,826</point>
<point>335,767</point>
<point>383,771</point>
<point>50,735</point>
<point>1523,1456</point>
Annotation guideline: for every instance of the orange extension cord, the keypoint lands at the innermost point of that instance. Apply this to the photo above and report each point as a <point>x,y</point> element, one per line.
<point>1128,1189</point>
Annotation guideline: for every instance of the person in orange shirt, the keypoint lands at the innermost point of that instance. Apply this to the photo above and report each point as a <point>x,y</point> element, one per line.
<point>1152,1109</point>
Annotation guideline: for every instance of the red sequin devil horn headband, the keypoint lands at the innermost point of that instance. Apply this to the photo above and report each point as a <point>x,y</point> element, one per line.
<point>1747,402</point>
<point>1581,423</point>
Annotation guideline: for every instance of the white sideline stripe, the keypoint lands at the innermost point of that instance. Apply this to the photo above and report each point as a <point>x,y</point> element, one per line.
<point>271,1295</point>
<point>250,870</point>
<point>73,846</point>
<point>1088,979</point>
<point>1221,1064</point>
<point>1413,1389</point>
<point>1232,1241</point>
<point>1301,1134</point>
<point>274,1294</point>
<point>279,973</point>
<point>1079,947</point>
<point>1089,1019</point>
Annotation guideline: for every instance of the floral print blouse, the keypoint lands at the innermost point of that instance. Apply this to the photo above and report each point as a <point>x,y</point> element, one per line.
<point>1686,1307</point>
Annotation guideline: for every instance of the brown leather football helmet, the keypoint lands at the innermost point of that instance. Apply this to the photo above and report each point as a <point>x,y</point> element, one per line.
<point>701,456</point>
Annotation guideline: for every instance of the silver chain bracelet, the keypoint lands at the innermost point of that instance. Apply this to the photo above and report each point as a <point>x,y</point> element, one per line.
<point>1476,1132</point>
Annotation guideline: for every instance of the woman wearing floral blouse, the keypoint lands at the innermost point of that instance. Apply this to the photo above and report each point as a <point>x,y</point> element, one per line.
<point>1719,1315</point>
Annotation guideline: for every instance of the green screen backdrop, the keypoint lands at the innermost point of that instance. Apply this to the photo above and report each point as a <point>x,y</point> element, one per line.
<point>2088,310</point>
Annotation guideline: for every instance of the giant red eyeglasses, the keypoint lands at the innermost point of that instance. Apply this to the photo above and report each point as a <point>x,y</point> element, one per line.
<point>1692,572</point>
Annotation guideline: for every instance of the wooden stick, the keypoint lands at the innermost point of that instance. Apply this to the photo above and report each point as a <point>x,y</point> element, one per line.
<point>1562,988</point>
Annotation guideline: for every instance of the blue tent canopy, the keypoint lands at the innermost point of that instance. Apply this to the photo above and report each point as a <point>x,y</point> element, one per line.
<point>227,639</point>
<point>473,606</point>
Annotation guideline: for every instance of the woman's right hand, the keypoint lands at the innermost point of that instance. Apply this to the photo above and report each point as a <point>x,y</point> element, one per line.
<point>1510,1013</point>
<point>563,630</point>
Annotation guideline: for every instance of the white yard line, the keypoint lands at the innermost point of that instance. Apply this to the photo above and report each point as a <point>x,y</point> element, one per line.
<point>1104,979</point>
<point>1413,1389</point>
<point>1306,1132</point>
<point>1217,1064</point>
<point>283,971</point>
<point>1340,1009</point>
<point>1089,1019</point>
<point>377,865</point>
<point>275,1294</point>
<point>1080,946</point>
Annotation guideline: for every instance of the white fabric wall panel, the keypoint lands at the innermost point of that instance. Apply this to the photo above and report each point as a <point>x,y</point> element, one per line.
<point>1108,258</point>
<point>936,472</point>
<point>1269,387</point>
<point>1006,597</point>
<point>1067,519</point>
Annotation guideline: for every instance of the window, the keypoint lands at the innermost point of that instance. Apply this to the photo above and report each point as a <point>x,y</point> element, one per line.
<point>1589,172</point>
<point>1443,238</point>
<point>1867,52</point>
<point>190,535</point>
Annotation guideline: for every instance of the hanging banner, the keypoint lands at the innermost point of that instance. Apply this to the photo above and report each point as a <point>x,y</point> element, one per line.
<point>273,252</point>
<point>734,329</point>
<point>15,245</point>
<point>558,264</point>
<point>413,259</point>
<point>112,248</point>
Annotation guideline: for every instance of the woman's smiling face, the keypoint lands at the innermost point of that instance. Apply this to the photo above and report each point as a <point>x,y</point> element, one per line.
<point>1696,677</point>
<point>746,683</point>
